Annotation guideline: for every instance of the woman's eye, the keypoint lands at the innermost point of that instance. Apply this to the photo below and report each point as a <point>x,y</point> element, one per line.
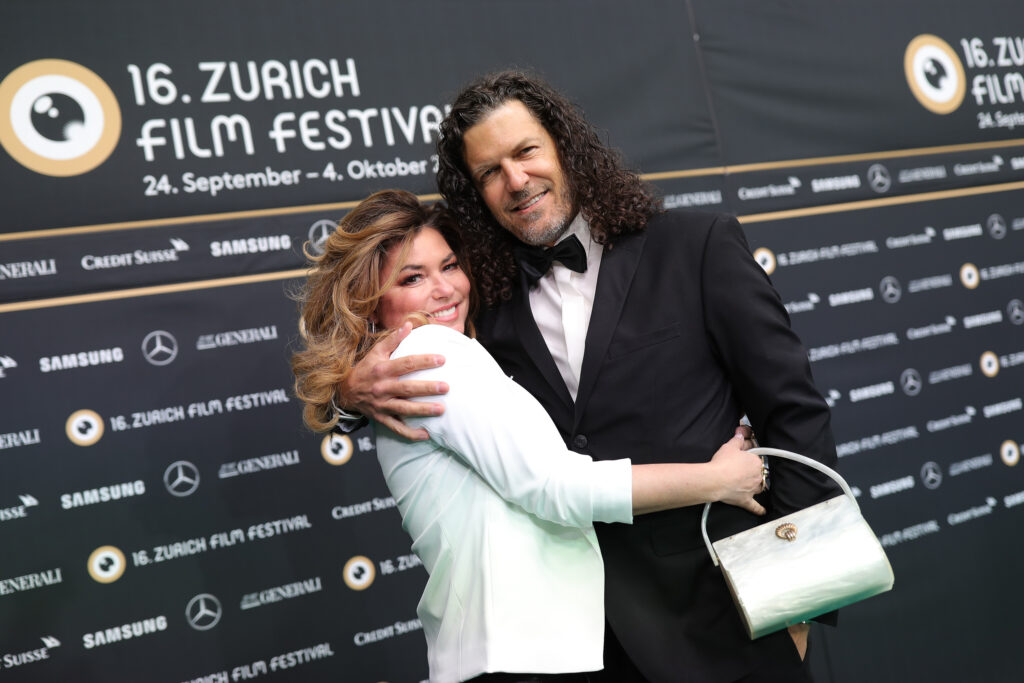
<point>411,280</point>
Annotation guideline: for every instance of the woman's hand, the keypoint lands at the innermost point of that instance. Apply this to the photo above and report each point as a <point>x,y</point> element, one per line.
<point>739,474</point>
<point>374,389</point>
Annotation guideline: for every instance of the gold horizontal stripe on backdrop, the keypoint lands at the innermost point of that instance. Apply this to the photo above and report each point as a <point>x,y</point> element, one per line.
<point>149,291</point>
<point>288,274</point>
<point>666,175</point>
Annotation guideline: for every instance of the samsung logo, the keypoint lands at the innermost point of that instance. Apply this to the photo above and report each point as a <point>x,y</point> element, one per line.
<point>118,633</point>
<point>250,245</point>
<point>82,359</point>
<point>103,494</point>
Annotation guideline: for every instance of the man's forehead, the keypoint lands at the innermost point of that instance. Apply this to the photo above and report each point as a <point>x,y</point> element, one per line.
<point>505,127</point>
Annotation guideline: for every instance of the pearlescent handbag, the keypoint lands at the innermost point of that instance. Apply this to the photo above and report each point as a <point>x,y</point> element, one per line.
<point>802,565</point>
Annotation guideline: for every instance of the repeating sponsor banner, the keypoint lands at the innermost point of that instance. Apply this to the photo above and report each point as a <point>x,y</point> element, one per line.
<point>166,512</point>
<point>204,499</point>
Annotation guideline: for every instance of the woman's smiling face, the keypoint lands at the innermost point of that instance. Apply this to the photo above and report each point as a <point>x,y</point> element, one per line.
<point>431,281</point>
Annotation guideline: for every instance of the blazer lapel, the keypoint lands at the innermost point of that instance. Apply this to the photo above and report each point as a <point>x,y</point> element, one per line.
<point>534,344</point>
<point>618,266</point>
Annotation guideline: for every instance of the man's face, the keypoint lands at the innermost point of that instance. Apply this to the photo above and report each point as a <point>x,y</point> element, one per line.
<point>514,164</point>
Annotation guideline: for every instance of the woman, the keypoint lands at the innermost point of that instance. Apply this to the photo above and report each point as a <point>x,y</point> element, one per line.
<point>500,512</point>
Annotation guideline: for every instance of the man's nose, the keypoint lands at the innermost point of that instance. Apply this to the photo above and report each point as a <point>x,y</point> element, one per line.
<point>515,177</point>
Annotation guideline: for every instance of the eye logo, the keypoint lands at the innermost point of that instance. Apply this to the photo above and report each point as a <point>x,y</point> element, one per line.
<point>336,449</point>
<point>106,564</point>
<point>766,259</point>
<point>84,427</point>
<point>934,74</point>
<point>359,573</point>
<point>58,118</point>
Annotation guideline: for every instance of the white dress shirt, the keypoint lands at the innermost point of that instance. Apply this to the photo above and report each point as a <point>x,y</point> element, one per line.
<point>501,513</point>
<point>562,303</point>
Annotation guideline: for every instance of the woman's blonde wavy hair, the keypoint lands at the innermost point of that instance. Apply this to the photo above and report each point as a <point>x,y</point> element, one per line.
<point>344,286</point>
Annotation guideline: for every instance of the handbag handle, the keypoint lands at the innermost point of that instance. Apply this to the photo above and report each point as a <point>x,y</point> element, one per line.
<point>787,455</point>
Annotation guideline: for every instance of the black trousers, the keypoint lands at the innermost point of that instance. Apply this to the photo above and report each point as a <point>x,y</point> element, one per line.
<point>530,678</point>
<point>619,668</point>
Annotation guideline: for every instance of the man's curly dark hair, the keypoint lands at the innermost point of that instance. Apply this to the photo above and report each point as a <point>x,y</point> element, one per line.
<point>614,201</point>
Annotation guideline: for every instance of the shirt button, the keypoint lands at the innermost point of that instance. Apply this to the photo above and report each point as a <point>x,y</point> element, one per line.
<point>579,441</point>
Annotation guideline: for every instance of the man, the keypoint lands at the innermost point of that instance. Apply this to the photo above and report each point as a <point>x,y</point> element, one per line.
<point>648,340</point>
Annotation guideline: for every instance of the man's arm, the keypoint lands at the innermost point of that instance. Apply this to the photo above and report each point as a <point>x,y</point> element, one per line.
<point>767,366</point>
<point>374,389</point>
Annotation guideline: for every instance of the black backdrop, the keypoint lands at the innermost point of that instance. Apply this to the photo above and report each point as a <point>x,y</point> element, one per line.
<point>164,515</point>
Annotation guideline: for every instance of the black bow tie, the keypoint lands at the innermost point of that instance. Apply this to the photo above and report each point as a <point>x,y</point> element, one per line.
<point>536,261</point>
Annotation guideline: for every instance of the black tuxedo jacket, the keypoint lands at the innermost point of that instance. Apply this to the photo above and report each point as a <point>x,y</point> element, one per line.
<point>686,335</point>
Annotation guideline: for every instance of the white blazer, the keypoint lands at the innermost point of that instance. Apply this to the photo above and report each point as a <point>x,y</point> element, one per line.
<point>501,513</point>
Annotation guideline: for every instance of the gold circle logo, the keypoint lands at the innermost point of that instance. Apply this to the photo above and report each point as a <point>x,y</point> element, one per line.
<point>106,564</point>
<point>969,276</point>
<point>1009,451</point>
<point>84,427</point>
<point>989,364</point>
<point>935,74</point>
<point>359,573</point>
<point>58,118</point>
<point>336,448</point>
<point>766,259</point>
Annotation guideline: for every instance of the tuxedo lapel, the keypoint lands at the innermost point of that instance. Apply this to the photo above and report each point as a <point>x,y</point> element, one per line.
<point>618,266</point>
<point>534,344</point>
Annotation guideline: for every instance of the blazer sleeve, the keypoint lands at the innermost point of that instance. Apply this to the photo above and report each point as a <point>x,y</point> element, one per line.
<point>767,365</point>
<point>503,434</point>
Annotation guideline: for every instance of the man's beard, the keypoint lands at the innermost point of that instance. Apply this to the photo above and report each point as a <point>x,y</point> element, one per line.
<point>539,235</point>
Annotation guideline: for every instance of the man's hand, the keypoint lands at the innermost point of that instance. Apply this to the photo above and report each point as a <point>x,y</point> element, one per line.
<point>798,632</point>
<point>373,387</point>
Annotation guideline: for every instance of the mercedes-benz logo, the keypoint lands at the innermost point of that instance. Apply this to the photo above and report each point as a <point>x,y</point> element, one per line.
<point>879,178</point>
<point>1015,311</point>
<point>996,226</point>
<point>318,234</point>
<point>160,347</point>
<point>203,612</point>
<point>181,478</point>
<point>931,475</point>
<point>890,289</point>
<point>910,380</point>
